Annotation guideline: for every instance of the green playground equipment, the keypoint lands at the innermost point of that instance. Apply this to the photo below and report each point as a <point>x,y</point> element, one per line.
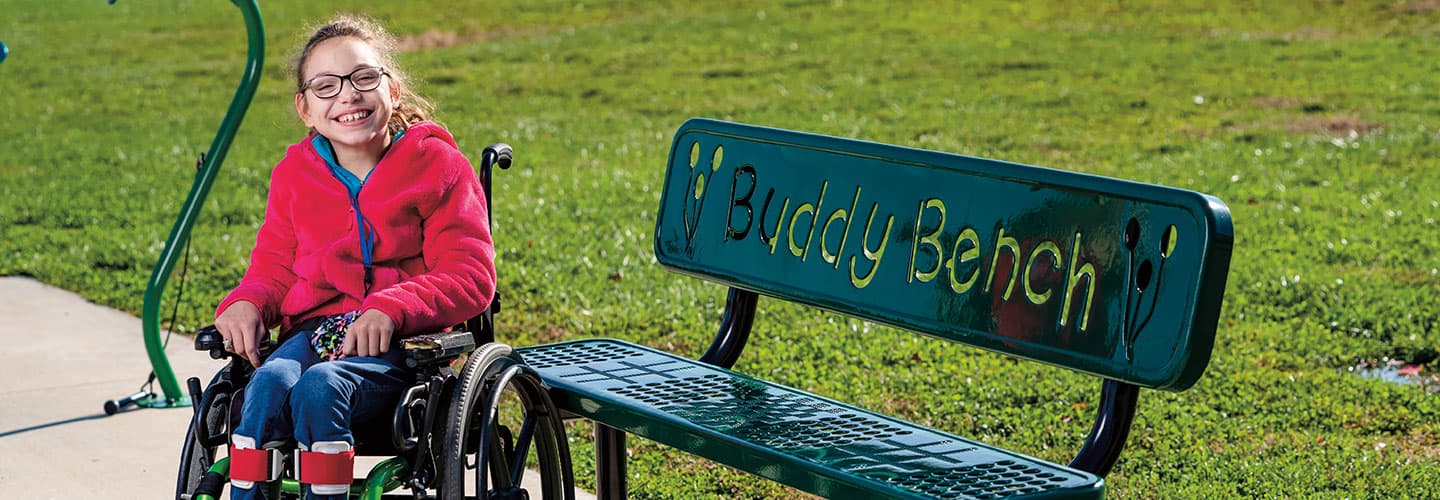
<point>209,167</point>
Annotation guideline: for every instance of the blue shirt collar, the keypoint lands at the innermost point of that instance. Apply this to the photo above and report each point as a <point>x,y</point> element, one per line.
<point>327,153</point>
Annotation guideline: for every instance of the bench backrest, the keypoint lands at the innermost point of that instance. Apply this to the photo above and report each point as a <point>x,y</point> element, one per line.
<point>1119,279</point>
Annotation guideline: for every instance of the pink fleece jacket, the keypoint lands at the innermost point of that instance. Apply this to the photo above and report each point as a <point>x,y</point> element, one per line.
<point>434,261</point>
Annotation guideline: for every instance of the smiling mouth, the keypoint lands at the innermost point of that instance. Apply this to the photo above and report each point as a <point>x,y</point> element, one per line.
<point>353,117</point>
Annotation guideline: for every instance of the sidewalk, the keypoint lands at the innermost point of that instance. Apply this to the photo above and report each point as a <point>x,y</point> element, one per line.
<point>62,358</point>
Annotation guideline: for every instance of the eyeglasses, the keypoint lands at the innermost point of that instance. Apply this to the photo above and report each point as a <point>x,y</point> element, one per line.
<point>328,86</point>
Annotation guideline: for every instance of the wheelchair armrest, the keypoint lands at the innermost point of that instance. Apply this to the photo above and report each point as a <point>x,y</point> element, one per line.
<point>209,339</point>
<point>433,348</point>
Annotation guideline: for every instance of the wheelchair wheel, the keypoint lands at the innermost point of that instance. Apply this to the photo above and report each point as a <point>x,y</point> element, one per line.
<point>500,413</point>
<point>203,437</point>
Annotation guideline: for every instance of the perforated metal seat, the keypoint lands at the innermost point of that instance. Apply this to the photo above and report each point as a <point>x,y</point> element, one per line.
<point>806,441</point>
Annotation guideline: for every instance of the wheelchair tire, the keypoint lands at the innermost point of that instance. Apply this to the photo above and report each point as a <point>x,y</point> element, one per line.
<point>197,455</point>
<point>480,454</point>
<point>193,465</point>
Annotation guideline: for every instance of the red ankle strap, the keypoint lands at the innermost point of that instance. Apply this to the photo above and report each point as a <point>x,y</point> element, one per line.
<point>249,464</point>
<point>314,467</point>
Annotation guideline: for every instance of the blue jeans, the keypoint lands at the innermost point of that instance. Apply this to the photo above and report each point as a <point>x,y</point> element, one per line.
<point>293,394</point>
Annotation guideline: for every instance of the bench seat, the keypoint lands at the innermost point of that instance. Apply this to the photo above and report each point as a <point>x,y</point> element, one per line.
<point>812,443</point>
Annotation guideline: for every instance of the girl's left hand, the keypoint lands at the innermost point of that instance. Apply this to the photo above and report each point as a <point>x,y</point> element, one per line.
<point>369,335</point>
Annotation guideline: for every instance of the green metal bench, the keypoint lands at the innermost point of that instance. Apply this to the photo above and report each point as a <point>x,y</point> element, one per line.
<point>1112,278</point>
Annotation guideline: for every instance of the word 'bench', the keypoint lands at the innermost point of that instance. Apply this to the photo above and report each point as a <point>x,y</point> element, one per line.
<point>1117,279</point>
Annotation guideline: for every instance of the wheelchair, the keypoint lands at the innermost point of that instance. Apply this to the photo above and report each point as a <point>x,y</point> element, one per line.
<point>455,434</point>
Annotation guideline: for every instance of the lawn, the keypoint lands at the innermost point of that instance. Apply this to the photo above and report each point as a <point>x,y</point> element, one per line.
<point>1317,122</point>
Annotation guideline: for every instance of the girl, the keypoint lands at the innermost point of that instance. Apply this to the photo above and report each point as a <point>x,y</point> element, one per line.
<point>375,229</point>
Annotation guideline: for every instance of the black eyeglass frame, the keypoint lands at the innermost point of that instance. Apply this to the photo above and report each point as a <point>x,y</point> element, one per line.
<point>340,87</point>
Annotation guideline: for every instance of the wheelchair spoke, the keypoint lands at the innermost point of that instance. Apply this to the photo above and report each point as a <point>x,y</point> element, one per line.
<point>499,463</point>
<point>522,447</point>
<point>507,440</point>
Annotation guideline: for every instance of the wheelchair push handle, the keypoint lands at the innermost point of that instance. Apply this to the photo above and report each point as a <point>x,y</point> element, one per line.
<point>498,154</point>
<point>494,155</point>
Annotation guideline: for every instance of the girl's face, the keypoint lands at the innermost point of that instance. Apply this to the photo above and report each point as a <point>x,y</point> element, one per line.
<point>354,120</point>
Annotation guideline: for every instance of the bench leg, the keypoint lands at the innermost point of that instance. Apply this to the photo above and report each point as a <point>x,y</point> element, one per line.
<point>610,463</point>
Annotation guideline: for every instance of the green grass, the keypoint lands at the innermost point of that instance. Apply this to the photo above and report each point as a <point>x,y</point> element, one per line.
<point>1336,251</point>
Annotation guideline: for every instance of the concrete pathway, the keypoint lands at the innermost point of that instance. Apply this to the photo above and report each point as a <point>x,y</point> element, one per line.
<point>61,358</point>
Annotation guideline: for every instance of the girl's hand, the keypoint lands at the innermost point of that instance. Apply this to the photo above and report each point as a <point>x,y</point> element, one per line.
<point>369,335</point>
<point>242,328</point>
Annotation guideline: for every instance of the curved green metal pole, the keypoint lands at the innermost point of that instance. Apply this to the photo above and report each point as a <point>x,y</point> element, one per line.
<point>150,317</point>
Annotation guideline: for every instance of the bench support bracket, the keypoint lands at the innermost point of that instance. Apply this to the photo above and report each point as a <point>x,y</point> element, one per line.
<point>734,329</point>
<point>1107,437</point>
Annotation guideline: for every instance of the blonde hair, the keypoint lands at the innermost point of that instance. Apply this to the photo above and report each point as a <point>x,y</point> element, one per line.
<point>411,108</point>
